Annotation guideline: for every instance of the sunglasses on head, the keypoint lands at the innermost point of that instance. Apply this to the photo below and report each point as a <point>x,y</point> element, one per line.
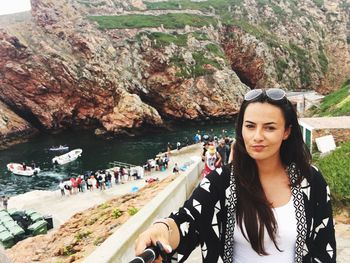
<point>273,94</point>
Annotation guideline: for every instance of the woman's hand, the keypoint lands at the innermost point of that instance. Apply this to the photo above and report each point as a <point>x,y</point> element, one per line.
<point>159,231</point>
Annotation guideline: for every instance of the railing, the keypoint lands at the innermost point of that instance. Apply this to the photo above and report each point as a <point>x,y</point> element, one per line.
<point>120,164</point>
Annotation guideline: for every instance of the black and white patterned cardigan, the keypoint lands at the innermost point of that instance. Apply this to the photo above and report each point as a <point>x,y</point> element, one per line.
<point>208,219</point>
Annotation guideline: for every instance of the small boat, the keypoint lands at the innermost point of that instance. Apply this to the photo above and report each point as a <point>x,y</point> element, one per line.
<point>59,148</point>
<point>67,157</point>
<point>18,169</point>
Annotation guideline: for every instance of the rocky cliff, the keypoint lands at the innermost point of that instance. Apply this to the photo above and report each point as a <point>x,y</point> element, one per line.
<point>13,129</point>
<point>126,66</point>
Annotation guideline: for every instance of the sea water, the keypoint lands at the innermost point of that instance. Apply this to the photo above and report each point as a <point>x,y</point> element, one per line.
<point>98,153</point>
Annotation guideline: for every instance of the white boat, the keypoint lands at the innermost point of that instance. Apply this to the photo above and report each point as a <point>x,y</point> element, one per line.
<point>18,169</point>
<point>67,157</point>
<point>59,148</point>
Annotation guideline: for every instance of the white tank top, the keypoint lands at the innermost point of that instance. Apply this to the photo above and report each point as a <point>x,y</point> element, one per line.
<point>286,238</point>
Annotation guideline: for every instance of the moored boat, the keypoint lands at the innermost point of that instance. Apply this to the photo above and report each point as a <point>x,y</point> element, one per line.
<point>67,157</point>
<point>59,148</point>
<point>19,169</point>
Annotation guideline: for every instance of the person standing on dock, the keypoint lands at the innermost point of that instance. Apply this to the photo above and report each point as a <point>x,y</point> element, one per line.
<point>61,186</point>
<point>222,150</point>
<point>178,145</point>
<point>5,200</point>
<point>176,169</point>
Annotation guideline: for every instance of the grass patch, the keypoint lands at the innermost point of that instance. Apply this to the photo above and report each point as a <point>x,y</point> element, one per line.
<point>215,49</point>
<point>198,69</point>
<point>200,35</point>
<point>104,206</point>
<point>160,39</point>
<point>218,5</point>
<point>336,103</point>
<point>170,21</point>
<point>257,31</point>
<point>335,168</point>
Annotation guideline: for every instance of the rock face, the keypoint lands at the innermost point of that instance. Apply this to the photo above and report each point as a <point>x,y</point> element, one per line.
<point>66,71</point>
<point>13,128</point>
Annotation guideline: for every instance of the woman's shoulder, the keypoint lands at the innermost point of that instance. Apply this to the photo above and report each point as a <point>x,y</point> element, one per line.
<point>220,175</point>
<point>316,178</point>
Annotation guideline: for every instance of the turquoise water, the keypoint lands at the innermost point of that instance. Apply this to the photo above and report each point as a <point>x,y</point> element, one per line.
<point>97,154</point>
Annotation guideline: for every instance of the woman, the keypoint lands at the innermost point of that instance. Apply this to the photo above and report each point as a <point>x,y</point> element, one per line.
<point>268,205</point>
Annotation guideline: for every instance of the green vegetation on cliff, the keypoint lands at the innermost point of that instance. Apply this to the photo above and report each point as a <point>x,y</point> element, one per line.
<point>302,58</point>
<point>336,103</point>
<point>218,5</point>
<point>160,39</point>
<point>170,21</point>
<point>335,168</point>
<point>199,68</point>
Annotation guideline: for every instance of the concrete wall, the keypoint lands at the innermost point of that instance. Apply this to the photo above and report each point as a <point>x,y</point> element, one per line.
<point>119,248</point>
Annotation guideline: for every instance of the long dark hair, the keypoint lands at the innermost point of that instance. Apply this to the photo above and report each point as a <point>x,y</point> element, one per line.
<point>252,206</point>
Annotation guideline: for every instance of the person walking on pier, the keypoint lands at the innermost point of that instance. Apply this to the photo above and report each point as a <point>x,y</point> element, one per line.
<point>5,201</point>
<point>268,205</point>
<point>61,186</point>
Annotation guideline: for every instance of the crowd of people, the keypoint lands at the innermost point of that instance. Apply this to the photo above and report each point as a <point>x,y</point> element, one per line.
<point>105,179</point>
<point>101,179</point>
<point>216,153</point>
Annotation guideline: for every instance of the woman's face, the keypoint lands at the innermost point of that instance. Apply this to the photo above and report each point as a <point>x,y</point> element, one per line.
<point>263,130</point>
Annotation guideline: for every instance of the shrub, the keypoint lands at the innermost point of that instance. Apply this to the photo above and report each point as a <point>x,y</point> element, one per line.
<point>335,168</point>
<point>132,210</point>
<point>116,213</point>
<point>68,250</point>
<point>104,206</point>
<point>281,67</point>
<point>98,241</point>
<point>302,58</point>
<point>200,35</point>
<point>322,58</point>
<point>81,235</point>
<point>160,39</point>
